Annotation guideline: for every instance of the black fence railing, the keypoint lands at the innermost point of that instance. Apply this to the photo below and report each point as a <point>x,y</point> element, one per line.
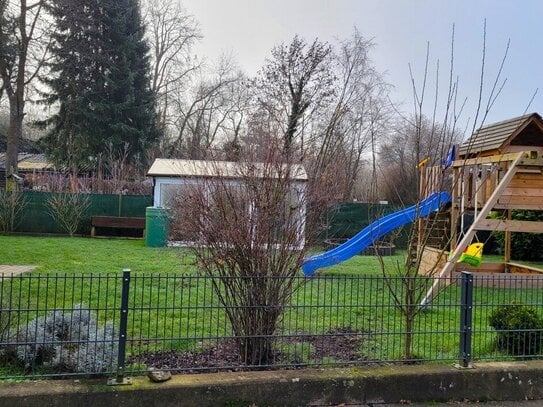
<point>64,324</point>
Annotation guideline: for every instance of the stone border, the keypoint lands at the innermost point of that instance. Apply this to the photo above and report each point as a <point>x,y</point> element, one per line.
<point>312,387</point>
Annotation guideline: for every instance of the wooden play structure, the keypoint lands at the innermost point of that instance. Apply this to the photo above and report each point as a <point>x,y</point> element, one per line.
<point>498,169</point>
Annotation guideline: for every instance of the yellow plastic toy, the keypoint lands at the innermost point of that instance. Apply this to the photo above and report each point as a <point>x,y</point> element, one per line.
<point>473,255</point>
<point>423,163</point>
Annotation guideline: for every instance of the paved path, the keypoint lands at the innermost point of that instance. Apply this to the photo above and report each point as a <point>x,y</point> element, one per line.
<point>9,271</point>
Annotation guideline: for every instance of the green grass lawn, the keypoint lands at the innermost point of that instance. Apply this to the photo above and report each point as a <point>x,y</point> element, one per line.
<point>86,255</point>
<point>173,307</point>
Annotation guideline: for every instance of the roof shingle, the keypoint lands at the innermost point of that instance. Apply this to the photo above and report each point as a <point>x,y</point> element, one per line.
<point>494,135</point>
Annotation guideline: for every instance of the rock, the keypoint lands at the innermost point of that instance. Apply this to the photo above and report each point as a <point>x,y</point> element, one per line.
<point>158,376</point>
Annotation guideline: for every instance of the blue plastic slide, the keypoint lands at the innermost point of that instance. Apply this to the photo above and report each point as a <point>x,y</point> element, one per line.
<point>374,232</point>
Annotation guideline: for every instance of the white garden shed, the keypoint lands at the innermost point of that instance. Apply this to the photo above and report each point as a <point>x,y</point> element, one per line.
<point>171,177</point>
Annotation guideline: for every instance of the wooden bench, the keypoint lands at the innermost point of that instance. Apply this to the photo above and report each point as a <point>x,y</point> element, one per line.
<point>119,222</point>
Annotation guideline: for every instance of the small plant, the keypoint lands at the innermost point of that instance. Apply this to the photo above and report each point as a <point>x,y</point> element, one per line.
<point>519,329</point>
<point>68,210</point>
<point>68,341</point>
<point>11,205</point>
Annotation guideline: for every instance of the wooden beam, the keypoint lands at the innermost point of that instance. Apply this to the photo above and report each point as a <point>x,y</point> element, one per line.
<point>487,160</point>
<point>528,191</point>
<point>483,268</point>
<point>515,268</point>
<point>538,207</point>
<point>519,200</point>
<point>529,170</point>
<point>468,237</point>
<point>531,162</point>
<point>503,225</point>
<point>527,181</point>
<point>530,176</point>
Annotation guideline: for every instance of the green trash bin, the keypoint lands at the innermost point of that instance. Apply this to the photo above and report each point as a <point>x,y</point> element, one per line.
<point>156,227</point>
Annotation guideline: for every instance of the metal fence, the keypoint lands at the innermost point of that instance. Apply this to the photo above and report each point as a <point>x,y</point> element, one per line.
<point>64,324</point>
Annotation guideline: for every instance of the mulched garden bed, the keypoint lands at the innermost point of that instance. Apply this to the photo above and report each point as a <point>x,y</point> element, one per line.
<point>341,345</point>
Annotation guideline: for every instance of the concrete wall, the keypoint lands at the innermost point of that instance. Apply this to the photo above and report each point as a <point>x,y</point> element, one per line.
<point>415,383</point>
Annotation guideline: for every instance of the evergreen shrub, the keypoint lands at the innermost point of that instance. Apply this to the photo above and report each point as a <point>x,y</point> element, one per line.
<point>519,329</point>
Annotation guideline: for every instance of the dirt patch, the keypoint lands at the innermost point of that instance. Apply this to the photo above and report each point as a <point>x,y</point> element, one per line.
<point>223,355</point>
<point>340,345</point>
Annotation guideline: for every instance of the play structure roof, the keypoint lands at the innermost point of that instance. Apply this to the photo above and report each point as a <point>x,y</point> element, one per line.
<point>163,167</point>
<point>523,130</point>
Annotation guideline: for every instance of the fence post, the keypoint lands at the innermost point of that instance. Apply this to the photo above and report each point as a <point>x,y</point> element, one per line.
<point>121,355</point>
<point>466,308</point>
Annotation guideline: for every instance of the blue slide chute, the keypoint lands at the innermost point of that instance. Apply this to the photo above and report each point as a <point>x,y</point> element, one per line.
<point>374,232</point>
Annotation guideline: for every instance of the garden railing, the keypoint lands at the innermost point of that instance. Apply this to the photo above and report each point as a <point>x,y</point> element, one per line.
<point>121,324</point>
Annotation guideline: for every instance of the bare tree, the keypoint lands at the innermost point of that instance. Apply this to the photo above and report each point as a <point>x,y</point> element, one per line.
<point>24,44</point>
<point>358,113</point>
<point>204,111</point>
<point>335,140</point>
<point>171,34</point>
<point>240,96</point>
<point>294,81</point>
<point>250,235</point>
<point>409,142</point>
<point>428,138</point>
<point>418,138</point>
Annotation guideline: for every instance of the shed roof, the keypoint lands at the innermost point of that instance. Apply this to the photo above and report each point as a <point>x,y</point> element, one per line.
<point>208,169</point>
<point>496,135</point>
<point>28,162</point>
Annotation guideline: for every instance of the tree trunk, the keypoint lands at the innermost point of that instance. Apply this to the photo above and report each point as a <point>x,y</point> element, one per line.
<point>410,314</point>
<point>15,132</point>
<point>408,338</point>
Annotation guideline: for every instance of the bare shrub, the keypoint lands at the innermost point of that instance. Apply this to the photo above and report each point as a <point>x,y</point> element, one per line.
<point>249,231</point>
<point>68,210</point>
<point>11,205</point>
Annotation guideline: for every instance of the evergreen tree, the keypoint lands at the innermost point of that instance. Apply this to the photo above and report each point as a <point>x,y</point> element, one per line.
<point>100,82</point>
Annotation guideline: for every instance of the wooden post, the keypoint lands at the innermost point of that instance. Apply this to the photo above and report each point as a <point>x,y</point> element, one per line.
<point>423,182</point>
<point>507,242</point>
<point>454,207</point>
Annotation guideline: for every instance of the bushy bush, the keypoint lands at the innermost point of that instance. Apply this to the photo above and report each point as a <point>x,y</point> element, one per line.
<point>519,329</point>
<point>67,341</point>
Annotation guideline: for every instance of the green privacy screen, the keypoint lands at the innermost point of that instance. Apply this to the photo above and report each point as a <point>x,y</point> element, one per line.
<point>36,218</point>
<point>344,220</point>
<point>347,219</point>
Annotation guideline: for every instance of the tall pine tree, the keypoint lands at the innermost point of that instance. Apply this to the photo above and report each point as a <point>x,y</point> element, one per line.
<point>100,83</point>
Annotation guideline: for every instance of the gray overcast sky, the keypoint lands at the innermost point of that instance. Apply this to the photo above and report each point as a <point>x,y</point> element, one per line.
<point>401,29</point>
